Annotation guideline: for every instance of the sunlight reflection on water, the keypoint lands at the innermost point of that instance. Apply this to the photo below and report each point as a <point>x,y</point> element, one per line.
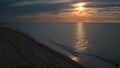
<point>80,43</point>
<point>74,58</point>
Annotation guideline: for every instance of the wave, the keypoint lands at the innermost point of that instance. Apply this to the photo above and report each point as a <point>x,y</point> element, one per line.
<point>73,52</point>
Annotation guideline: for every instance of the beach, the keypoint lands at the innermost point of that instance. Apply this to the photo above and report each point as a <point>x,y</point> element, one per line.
<point>18,50</point>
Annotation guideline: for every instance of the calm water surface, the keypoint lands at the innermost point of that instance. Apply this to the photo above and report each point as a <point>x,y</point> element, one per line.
<point>93,45</point>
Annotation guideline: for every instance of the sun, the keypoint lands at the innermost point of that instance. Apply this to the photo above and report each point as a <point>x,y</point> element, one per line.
<point>79,6</point>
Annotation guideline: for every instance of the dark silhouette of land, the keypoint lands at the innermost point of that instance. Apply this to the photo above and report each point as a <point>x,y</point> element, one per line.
<point>18,50</point>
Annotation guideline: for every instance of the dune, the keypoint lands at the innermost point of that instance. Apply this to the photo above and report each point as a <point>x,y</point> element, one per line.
<point>18,50</point>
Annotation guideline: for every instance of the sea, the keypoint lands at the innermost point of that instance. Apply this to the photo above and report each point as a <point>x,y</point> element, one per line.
<point>94,45</point>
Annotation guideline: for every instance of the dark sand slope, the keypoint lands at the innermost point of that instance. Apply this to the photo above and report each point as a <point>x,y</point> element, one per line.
<point>18,50</point>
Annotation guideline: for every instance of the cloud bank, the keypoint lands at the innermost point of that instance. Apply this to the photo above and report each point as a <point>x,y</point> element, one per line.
<point>59,10</point>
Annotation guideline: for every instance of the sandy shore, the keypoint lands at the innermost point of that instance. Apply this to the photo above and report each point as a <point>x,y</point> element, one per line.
<point>18,50</point>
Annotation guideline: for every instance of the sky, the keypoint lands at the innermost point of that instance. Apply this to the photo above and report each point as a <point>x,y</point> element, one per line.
<point>100,11</point>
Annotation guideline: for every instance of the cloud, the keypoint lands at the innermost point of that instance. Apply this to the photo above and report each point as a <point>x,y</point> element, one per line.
<point>101,5</point>
<point>68,17</point>
<point>107,9</point>
<point>96,0</point>
<point>8,11</point>
<point>39,2</point>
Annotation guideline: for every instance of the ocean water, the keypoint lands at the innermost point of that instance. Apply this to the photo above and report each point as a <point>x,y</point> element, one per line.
<point>90,44</point>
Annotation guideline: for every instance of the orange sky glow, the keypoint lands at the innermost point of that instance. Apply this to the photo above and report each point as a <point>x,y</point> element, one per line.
<point>78,13</point>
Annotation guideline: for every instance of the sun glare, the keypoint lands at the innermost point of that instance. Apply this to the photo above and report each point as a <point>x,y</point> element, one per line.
<point>79,6</point>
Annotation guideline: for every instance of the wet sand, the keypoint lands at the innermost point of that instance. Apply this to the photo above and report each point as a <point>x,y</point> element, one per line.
<point>18,50</point>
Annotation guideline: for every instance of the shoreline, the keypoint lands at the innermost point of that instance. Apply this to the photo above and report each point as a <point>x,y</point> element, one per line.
<point>33,54</point>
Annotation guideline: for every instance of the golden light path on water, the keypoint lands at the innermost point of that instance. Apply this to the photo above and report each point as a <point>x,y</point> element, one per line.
<point>80,43</point>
